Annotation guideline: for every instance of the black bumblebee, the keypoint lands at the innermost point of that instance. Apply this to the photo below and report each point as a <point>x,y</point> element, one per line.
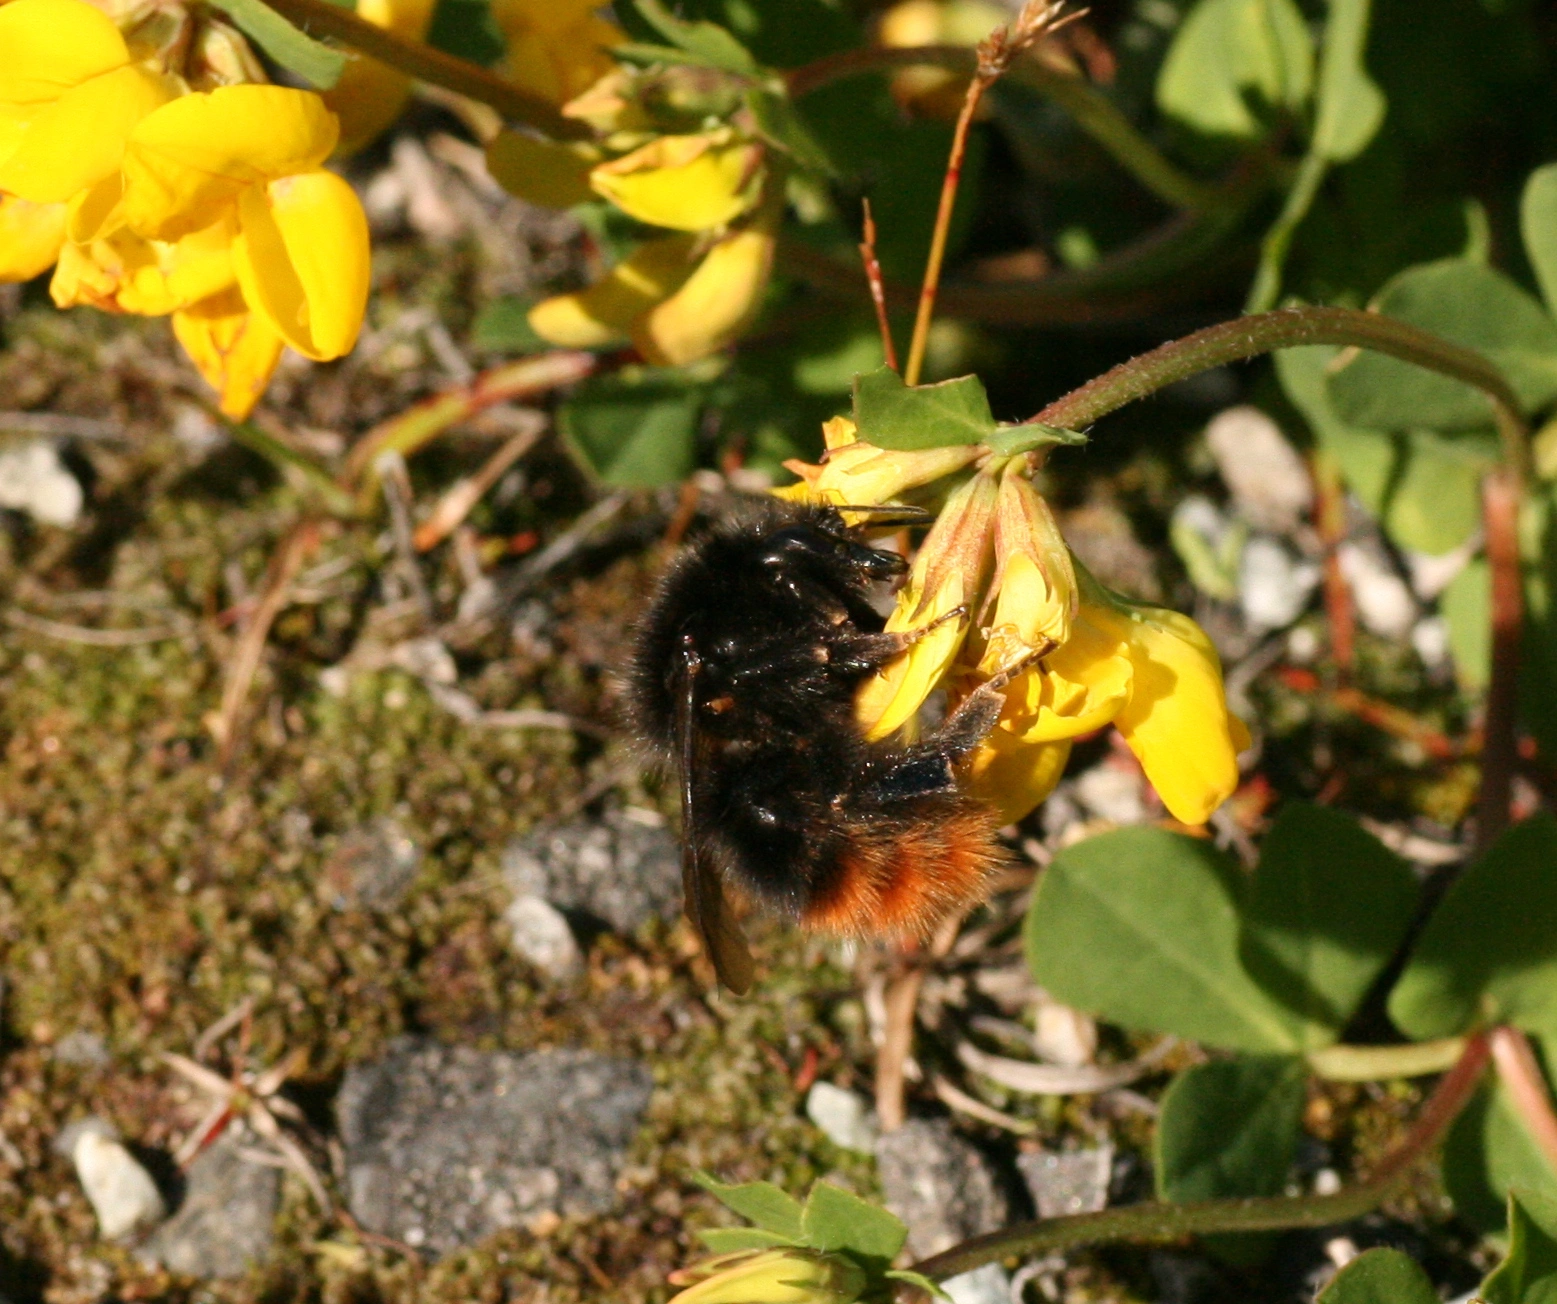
<point>744,677</point>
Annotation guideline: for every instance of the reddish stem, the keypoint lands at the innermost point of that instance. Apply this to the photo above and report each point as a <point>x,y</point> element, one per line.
<point>1521,1074</point>
<point>1330,517</point>
<point>1500,748</point>
<point>878,287</point>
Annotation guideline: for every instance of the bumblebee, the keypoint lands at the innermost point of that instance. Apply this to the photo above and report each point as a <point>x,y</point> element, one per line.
<point>743,679</point>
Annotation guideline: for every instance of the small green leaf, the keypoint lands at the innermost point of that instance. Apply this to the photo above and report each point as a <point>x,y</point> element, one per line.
<point>1475,306</point>
<point>836,1220</point>
<point>708,42</point>
<point>1489,952</point>
<point>1233,62</point>
<point>1466,606</point>
<point>726,1240</point>
<point>777,122</point>
<point>911,1278</point>
<point>1008,441</point>
<point>1351,106</point>
<point>1528,1275</point>
<point>770,1208</point>
<point>1380,1277</point>
<point>1140,926</point>
<point>294,50</point>
<point>504,326</point>
<point>1329,905</point>
<point>1538,225</point>
<point>1230,1128</point>
<point>1487,1154</point>
<point>637,428</point>
<point>891,414</point>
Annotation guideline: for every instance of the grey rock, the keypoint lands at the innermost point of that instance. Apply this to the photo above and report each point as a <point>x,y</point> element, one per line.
<point>1067,1181</point>
<point>82,1049</point>
<point>225,1220</point>
<point>622,870</point>
<point>541,934</point>
<point>446,1145</point>
<point>844,1117</point>
<point>986,1285</point>
<point>941,1186</point>
<point>1274,583</point>
<point>373,866</point>
<point>35,481</point>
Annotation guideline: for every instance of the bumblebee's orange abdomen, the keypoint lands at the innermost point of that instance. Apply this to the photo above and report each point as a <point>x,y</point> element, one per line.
<point>905,878</point>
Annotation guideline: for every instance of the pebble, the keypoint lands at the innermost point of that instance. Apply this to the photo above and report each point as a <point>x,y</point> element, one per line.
<point>1262,471</point>
<point>1067,1181</point>
<point>986,1285</point>
<point>122,1193</point>
<point>844,1117</point>
<point>1274,584</point>
<point>541,934</point>
<point>225,1221</point>
<point>372,867</point>
<point>621,870</point>
<point>1062,1035</point>
<point>81,1049</point>
<point>445,1145</point>
<point>35,481</point>
<point>941,1186</point>
<point>1384,602</point>
<point>1112,792</point>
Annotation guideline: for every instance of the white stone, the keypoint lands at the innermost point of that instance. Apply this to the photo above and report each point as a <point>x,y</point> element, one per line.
<point>1384,602</point>
<point>122,1193</point>
<point>1432,573</point>
<point>1112,793</point>
<point>986,1285</point>
<point>1062,1035</point>
<point>35,481</point>
<point>843,1117</point>
<point>542,936</point>
<point>1430,638</point>
<point>1264,473</point>
<point>1274,586</point>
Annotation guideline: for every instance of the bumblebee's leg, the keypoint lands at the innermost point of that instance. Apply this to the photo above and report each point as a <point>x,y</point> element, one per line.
<point>864,652</point>
<point>967,726</point>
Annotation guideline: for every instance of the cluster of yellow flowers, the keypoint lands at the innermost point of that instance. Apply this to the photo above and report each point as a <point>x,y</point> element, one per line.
<point>149,160</point>
<point>715,191</point>
<point>1091,657</point>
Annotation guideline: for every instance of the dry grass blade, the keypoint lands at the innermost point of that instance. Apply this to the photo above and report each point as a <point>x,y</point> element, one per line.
<point>1057,1080</point>
<point>460,498</point>
<point>92,637</point>
<point>953,1097</point>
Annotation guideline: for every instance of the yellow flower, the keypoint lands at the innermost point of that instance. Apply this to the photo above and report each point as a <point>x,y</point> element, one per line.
<point>775,1276</point>
<point>235,350</point>
<point>125,273</point>
<point>70,96</point>
<point>1013,776</point>
<point>609,311</point>
<point>687,183</point>
<point>1034,588</point>
<point>717,300</point>
<point>370,95</point>
<point>556,48</point>
<point>860,474</point>
<point>31,236</point>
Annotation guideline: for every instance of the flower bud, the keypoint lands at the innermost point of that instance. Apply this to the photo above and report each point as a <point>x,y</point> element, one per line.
<point>686,183</point>
<point>862,475</point>
<point>777,1276</point>
<point>1034,588</point>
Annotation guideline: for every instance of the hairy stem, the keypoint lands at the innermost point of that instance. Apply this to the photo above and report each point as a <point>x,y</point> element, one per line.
<point>1500,494</point>
<point>321,18</point>
<point>1526,1085</point>
<point>1166,1222</point>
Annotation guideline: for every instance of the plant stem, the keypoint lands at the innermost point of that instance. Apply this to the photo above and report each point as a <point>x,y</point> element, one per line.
<point>878,289</point>
<point>1500,495</point>
<point>1166,1222</point>
<point>1521,1075</point>
<point>1378,1063</point>
<point>1273,249</point>
<point>321,18</point>
<point>1286,328</point>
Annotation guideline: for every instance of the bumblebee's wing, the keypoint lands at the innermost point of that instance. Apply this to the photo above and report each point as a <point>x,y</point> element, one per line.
<point>703,894</point>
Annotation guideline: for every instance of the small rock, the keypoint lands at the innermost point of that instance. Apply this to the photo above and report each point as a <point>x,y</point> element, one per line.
<point>446,1145</point>
<point>225,1220</point>
<point>122,1193</point>
<point>1432,573</point>
<point>1062,1035</point>
<point>1430,638</point>
<point>35,481</point>
<point>842,1116</point>
<point>82,1049</point>
<point>541,935</point>
<point>622,870</point>
<point>1274,585</point>
<point>373,866</point>
<point>1261,469</point>
<point>941,1186</point>
<point>986,1285</point>
<point>1113,793</point>
<point>1068,1181</point>
<point>1384,601</point>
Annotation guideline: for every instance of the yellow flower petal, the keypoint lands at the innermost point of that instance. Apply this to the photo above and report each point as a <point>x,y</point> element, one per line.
<point>718,299</point>
<point>688,183</point>
<point>1176,721</point>
<point>303,261</point>
<point>53,45</point>
<point>1012,775</point>
<point>370,95</point>
<point>233,349</point>
<point>1035,583</point>
<point>124,273</point>
<point>80,138</point>
<point>544,172</point>
<point>607,311</point>
<point>863,475</point>
<point>556,48</point>
<point>30,237</point>
<point>1079,687</point>
<point>188,162</point>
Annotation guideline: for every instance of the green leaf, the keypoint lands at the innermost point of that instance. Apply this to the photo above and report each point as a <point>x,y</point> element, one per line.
<point>1538,225</point>
<point>726,1240</point>
<point>1380,1277</point>
<point>1528,1275</point>
<point>1230,1128</point>
<point>1351,106</point>
<point>467,30</point>
<point>1466,606</point>
<point>313,61</point>
<point>1487,1154</point>
<point>777,122</point>
<point>504,326</point>
<point>919,1280</point>
<point>770,1208</point>
<point>1476,306</point>
<point>891,414</point>
<point>1141,927</point>
<point>1233,62</point>
<point>836,1220</point>
<point>637,429</point>
<point>1489,952</point>
<point>1329,906</point>
<point>1008,441</point>
<point>1425,488</point>
<point>709,43</point>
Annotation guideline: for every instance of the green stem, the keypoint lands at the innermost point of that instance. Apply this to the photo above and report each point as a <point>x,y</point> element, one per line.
<point>1287,328</point>
<point>1278,240</point>
<point>1168,1222</point>
<point>335,499</point>
<point>1380,1063</point>
<point>321,18</point>
<point>1093,111</point>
